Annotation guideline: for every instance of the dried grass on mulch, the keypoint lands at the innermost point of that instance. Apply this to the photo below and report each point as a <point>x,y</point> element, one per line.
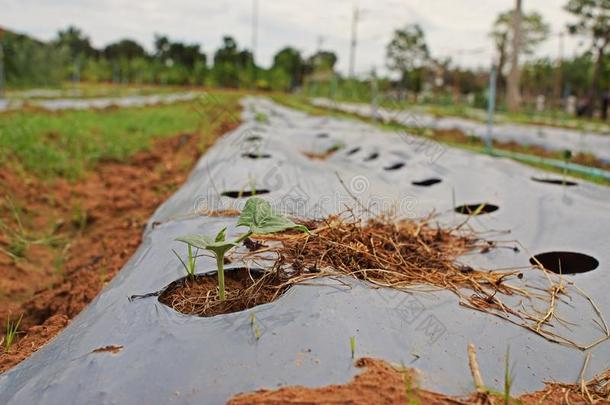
<point>405,255</point>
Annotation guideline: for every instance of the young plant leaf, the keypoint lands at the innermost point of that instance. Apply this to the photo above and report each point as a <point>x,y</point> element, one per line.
<point>221,235</point>
<point>221,247</point>
<point>198,241</point>
<point>260,218</point>
<point>217,245</point>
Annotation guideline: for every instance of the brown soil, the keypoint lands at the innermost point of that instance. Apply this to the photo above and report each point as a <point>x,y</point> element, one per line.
<point>455,135</point>
<point>321,155</point>
<point>378,383</point>
<point>199,295</point>
<point>90,229</point>
<point>381,383</point>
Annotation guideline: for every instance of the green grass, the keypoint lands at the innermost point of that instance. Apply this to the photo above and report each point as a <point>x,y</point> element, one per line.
<point>558,119</point>
<point>18,236</point>
<point>12,328</point>
<point>91,90</point>
<point>260,117</point>
<point>68,143</point>
<point>554,118</point>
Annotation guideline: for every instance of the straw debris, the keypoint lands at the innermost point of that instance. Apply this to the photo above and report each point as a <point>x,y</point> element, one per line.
<point>405,255</point>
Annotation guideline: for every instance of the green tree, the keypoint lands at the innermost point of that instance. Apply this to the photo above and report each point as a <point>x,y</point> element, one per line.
<point>77,43</point>
<point>322,61</point>
<point>407,52</point>
<point>289,61</point>
<point>593,20</point>
<point>185,54</point>
<point>225,70</point>
<point>124,49</point>
<point>29,62</point>
<point>534,30</point>
<point>232,67</point>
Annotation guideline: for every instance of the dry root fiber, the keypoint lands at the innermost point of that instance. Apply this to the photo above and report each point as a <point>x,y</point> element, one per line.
<point>403,255</point>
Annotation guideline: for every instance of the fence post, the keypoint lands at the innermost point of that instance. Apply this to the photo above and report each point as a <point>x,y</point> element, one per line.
<point>374,91</point>
<point>1,72</point>
<point>491,106</point>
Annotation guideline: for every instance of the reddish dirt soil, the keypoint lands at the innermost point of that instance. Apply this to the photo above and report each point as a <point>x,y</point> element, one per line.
<point>585,159</point>
<point>380,383</point>
<point>101,218</point>
<point>199,296</point>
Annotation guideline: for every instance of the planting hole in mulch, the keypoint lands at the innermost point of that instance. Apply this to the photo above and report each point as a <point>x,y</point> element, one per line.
<point>353,150</point>
<point>382,251</point>
<point>395,166</point>
<point>245,288</point>
<point>476,209</point>
<point>256,155</point>
<point>322,135</point>
<point>426,183</point>
<point>244,193</point>
<point>253,138</point>
<point>372,156</point>
<point>558,182</point>
<point>565,262</point>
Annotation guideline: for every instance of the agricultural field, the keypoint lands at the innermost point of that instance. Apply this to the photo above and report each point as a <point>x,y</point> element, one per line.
<point>108,184</point>
<point>411,209</point>
<point>77,187</point>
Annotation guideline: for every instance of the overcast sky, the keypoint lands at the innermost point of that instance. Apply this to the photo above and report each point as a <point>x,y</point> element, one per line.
<point>455,28</point>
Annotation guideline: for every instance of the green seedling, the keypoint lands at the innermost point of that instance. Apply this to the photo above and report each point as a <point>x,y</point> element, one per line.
<point>567,156</point>
<point>254,326</point>
<point>251,184</point>
<point>260,117</point>
<point>12,328</point>
<point>189,266</point>
<point>258,216</point>
<point>335,147</point>
<point>352,345</point>
<point>508,377</point>
<point>80,217</point>
<point>478,210</point>
<point>218,246</point>
<point>409,389</point>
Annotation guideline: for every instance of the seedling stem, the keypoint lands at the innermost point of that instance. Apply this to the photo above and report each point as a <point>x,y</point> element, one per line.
<point>221,277</point>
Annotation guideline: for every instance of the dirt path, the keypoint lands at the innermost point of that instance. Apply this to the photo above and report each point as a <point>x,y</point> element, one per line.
<point>91,228</point>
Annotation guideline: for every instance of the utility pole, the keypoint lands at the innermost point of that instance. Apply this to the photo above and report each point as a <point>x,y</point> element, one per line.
<point>354,41</point>
<point>513,98</point>
<point>254,26</point>
<point>491,106</point>
<point>374,92</point>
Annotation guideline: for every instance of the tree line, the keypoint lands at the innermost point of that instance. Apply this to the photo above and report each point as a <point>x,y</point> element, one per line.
<point>585,76</point>
<point>416,73</point>
<point>70,56</point>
